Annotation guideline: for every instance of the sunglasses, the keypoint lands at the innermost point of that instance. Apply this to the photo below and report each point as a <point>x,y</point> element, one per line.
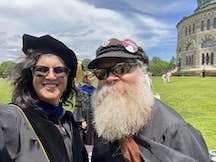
<point>42,71</point>
<point>119,69</point>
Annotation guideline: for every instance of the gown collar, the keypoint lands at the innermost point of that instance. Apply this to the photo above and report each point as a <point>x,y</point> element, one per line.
<point>58,110</point>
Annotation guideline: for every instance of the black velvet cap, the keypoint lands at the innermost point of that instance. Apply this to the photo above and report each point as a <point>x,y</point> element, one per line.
<point>49,45</point>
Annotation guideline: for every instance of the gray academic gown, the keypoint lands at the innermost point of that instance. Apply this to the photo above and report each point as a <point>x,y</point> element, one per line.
<point>19,142</point>
<point>166,138</point>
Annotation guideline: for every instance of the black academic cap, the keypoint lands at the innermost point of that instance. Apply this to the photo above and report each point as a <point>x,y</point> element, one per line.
<point>49,45</point>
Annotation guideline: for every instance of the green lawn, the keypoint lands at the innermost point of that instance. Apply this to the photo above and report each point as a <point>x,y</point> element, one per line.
<point>192,97</point>
<point>5,91</point>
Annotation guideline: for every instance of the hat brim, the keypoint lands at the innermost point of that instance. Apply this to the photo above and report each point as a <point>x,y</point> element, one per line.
<point>112,54</point>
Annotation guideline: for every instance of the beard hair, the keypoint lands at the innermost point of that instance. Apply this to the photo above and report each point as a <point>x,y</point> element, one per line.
<point>122,109</point>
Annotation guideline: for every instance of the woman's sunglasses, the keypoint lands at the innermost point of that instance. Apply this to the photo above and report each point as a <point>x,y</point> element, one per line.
<point>42,71</point>
<point>119,69</point>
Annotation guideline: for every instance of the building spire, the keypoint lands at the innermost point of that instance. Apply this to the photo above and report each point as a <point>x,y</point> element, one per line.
<point>204,3</point>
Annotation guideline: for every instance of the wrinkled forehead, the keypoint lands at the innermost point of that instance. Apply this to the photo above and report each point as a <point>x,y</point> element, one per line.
<point>107,62</point>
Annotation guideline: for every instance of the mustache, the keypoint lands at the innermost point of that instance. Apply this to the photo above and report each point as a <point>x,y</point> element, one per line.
<point>122,109</point>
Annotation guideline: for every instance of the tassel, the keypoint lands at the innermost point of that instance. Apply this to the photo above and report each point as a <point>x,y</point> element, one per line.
<point>79,73</point>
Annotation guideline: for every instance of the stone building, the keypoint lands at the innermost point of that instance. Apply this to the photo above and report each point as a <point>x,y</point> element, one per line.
<point>196,44</point>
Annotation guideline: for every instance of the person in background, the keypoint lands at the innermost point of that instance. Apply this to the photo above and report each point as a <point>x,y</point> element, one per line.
<point>148,77</point>
<point>35,127</point>
<point>168,75</point>
<point>88,79</point>
<point>164,77</point>
<point>131,124</point>
<point>83,109</point>
<point>203,73</point>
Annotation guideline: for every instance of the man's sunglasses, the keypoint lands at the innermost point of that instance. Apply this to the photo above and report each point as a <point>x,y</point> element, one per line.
<point>42,71</point>
<point>119,69</point>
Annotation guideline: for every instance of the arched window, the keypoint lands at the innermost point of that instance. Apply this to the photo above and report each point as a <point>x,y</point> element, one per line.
<point>212,58</point>
<point>203,59</point>
<point>208,24</point>
<point>193,30</point>
<point>207,59</point>
<point>207,43</point>
<point>190,60</point>
<point>185,30</point>
<point>214,25</point>
<point>202,25</point>
<point>189,29</point>
<point>190,47</point>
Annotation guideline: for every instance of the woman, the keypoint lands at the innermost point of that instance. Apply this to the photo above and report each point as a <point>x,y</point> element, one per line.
<point>40,129</point>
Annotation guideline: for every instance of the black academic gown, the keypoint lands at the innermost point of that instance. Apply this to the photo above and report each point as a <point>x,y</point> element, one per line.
<point>52,139</point>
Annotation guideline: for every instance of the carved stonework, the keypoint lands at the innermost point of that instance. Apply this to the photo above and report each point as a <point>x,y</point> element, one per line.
<point>196,44</point>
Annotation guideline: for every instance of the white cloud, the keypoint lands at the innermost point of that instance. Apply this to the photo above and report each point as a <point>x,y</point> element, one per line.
<point>81,25</point>
<point>160,6</point>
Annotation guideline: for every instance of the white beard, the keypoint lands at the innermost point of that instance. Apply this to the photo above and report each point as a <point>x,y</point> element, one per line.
<point>122,109</point>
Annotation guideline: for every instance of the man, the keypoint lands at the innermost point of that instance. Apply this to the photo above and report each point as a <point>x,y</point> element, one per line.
<point>132,125</point>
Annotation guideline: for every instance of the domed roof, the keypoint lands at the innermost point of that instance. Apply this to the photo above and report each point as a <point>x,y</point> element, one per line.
<point>204,3</point>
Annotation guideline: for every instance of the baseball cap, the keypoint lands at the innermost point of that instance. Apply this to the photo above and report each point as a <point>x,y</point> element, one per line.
<point>114,48</point>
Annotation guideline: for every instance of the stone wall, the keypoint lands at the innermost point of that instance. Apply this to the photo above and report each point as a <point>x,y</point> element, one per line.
<point>196,44</point>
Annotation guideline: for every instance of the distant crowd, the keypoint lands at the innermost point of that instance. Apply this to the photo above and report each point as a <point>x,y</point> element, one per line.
<point>166,77</point>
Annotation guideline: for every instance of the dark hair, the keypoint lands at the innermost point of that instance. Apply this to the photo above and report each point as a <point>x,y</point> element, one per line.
<point>23,93</point>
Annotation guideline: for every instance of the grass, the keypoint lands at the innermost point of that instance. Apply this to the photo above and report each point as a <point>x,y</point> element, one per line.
<point>192,97</point>
<point>5,91</point>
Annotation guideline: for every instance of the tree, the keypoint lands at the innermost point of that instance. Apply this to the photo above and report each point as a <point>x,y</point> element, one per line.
<point>158,66</point>
<point>6,68</point>
<point>85,63</point>
<point>173,63</point>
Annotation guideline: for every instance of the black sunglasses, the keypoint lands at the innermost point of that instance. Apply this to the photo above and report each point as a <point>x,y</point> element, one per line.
<point>119,69</point>
<point>42,71</point>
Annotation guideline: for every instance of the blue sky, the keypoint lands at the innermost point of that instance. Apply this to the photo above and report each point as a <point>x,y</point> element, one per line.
<point>84,24</point>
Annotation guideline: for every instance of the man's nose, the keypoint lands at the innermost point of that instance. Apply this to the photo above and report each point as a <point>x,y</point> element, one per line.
<point>112,78</point>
